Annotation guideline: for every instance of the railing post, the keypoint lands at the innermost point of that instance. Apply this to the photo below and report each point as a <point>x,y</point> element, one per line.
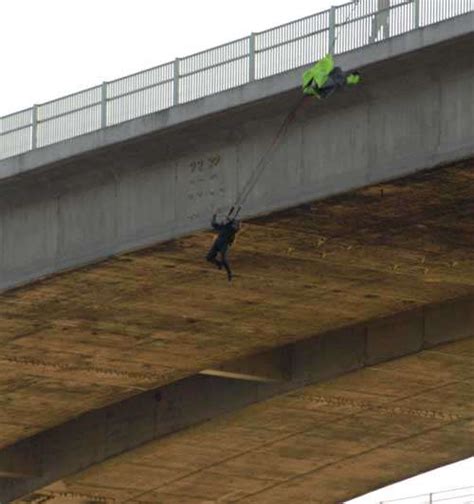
<point>34,127</point>
<point>252,57</point>
<point>332,29</point>
<point>103,106</point>
<point>416,13</point>
<point>176,82</point>
<point>431,498</point>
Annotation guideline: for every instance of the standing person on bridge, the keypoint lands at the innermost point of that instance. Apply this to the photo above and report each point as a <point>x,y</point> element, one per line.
<point>227,231</point>
<point>323,79</point>
<point>381,21</point>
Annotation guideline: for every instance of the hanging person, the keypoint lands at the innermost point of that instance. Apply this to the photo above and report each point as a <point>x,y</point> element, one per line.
<point>323,79</point>
<point>227,231</point>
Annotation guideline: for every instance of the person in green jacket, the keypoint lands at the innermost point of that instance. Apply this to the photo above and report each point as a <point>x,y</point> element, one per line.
<point>323,79</point>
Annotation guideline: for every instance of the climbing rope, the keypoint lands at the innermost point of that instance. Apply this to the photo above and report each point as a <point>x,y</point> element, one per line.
<point>259,168</point>
<point>262,163</point>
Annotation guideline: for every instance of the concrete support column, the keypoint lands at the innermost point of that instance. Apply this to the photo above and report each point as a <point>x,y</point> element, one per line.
<point>176,82</point>
<point>416,13</point>
<point>34,127</point>
<point>103,106</point>
<point>252,57</point>
<point>332,29</point>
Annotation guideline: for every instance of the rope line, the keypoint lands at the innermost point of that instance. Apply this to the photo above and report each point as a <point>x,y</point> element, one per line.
<point>262,163</point>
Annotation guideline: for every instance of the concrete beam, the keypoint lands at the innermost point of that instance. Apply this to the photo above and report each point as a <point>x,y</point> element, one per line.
<point>20,462</point>
<point>101,434</point>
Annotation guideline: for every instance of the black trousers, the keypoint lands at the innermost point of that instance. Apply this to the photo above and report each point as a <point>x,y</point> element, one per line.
<point>325,92</point>
<point>336,80</point>
<point>212,258</point>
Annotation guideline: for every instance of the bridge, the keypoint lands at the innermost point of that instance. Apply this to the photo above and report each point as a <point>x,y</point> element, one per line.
<point>463,495</point>
<point>339,360</point>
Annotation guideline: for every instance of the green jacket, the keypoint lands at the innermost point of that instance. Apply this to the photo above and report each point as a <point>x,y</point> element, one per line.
<point>319,73</point>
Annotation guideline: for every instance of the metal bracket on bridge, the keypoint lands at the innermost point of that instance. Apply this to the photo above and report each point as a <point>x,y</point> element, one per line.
<point>266,367</point>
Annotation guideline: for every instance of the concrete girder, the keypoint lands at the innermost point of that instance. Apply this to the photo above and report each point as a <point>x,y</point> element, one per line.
<point>99,435</point>
<point>20,463</point>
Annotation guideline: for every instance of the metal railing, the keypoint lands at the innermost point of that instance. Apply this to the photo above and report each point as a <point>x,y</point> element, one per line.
<point>463,495</point>
<point>257,56</point>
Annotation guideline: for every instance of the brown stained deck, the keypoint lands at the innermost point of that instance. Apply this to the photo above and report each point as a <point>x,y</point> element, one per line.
<point>321,444</point>
<point>90,337</point>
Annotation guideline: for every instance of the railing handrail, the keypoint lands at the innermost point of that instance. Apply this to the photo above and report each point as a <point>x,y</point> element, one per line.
<point>139,72</point>
<point>70,95</point>
<point>18,112</point>
<point>134,94</point>
<point>220,46</point>
<point>298,20</point>
<point>433,494</point>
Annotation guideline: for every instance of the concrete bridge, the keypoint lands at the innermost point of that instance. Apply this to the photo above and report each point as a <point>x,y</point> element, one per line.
<point>338,361</point>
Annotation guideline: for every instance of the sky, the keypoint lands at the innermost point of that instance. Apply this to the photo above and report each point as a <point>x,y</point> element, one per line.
<point>458,475</point>
<point>56,47</point>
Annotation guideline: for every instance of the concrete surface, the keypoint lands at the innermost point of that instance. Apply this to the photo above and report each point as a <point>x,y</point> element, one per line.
<point>104,433</point>
<point>321,444</point>
<point>355,280</point>
<point>94,196</point>
<point>237,97</point>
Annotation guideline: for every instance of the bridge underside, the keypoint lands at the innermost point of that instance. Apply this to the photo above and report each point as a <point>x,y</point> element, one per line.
<point>323,443</point>
<point>320,290</point>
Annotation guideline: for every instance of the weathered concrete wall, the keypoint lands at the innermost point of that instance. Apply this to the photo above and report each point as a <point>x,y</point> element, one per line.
<point>413,111</point>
